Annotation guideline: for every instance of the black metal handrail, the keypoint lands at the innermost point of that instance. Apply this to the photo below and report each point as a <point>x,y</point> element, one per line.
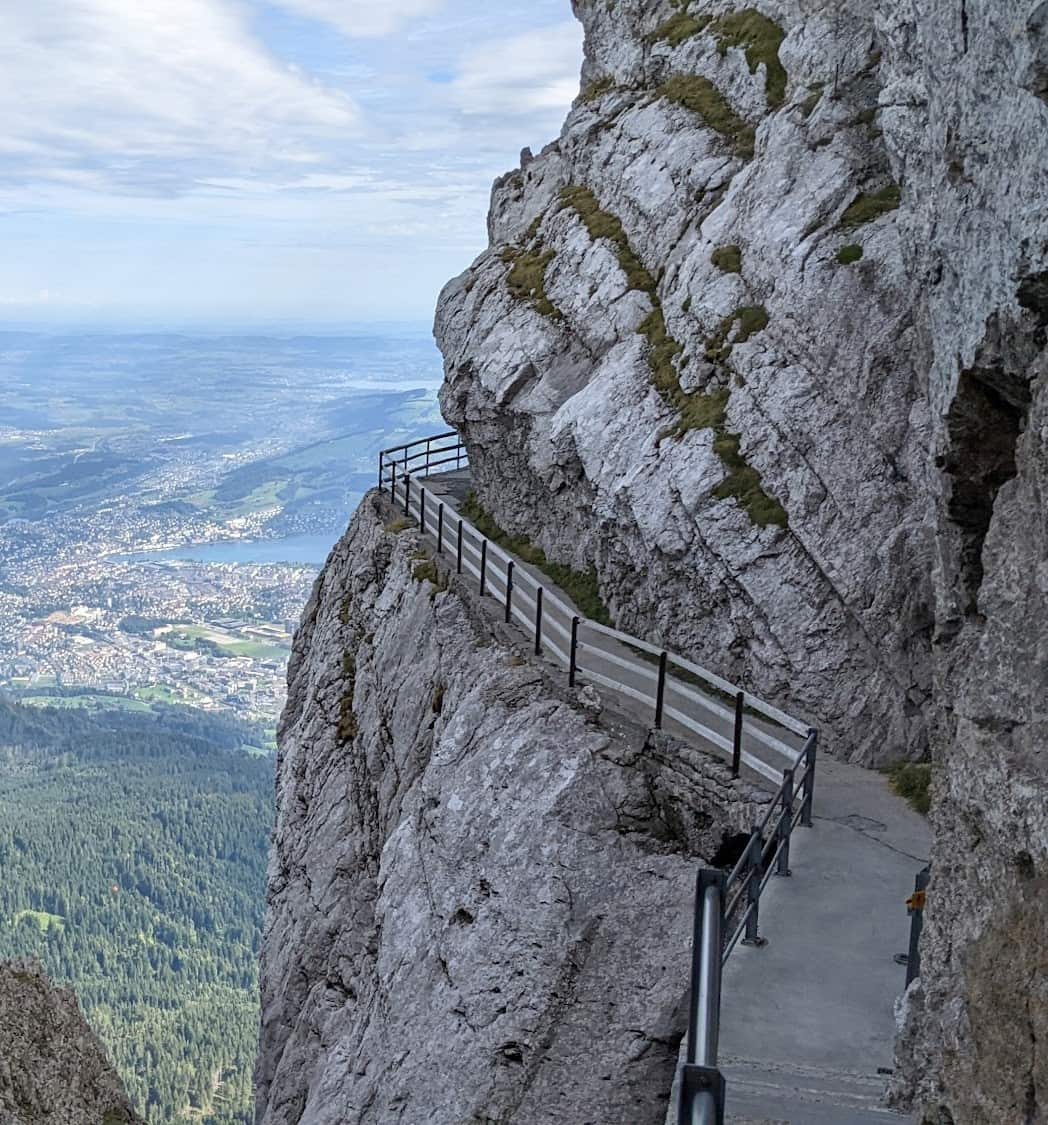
<point>727,908</point>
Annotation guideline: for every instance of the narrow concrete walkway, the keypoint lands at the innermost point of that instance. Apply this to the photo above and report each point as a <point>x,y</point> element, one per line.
<point>807,1022</point>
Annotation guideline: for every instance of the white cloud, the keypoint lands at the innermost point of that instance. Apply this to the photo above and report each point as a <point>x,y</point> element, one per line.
<point>150,96</point>
<point>535,72</point>
<point>364,19</point>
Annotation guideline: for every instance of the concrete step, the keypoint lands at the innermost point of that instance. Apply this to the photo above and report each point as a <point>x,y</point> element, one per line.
<point>760,1093</point>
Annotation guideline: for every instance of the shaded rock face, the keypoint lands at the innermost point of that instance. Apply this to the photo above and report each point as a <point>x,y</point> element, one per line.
<point>53,1070</point>
<point>967,127</point>
<point>479,884</point>
<point>668,364</point>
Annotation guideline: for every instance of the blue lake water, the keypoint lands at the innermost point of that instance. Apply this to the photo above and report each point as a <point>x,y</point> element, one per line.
<point>306,550</point>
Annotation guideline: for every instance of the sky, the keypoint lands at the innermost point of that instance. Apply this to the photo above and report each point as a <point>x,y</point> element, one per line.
<point>261,164</point>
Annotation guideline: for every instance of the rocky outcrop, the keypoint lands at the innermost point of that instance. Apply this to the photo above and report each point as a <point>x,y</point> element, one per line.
<point>53,1070</point>
<point>479,880</point>
<point>967,125</point>
<point>689,358</point>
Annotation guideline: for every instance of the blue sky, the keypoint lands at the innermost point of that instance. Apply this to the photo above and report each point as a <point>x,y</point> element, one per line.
<point>261,163</point>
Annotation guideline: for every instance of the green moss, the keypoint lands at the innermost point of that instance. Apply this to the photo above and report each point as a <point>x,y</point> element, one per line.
<point>426,570</point>
<point>596,89</point>
<point>526,279</point>
<point>735,329</point>
<point>912,781</point>
<point>344,609</point>
<point>728,258</point>
<point>744,484</point>
<point>678,28</point>
<point>870,206</point>
<point>395,527</point>
<point>761,38</point>
<point>603,224</point>
<point>700,96</point>
<point>582,587</point>
<point>347,719</point>
<point>850,254</point>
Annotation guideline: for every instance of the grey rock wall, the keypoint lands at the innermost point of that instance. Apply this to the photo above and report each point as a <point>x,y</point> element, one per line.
<point>480,883</point>
<point>53,1070</point>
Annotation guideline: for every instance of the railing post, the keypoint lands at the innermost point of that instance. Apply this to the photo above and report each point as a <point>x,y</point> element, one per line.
<point>660,691</point>
<point>407,494</point>
<point>538,622</point>
<point>811,751</point>
<point>509,592</point>
<point>393,483</point>
<point>702,1090</point>
<point>736,753</point>
<point>483,566</point>
<point>428,444</point>
<point>573,667</point>
<point>755,866</point>
<point>915,908</point>
<point>381,472</point>
<point>440,530</point>
<point>786,824</point>
<point>458,548</point>
<point>422,510</point>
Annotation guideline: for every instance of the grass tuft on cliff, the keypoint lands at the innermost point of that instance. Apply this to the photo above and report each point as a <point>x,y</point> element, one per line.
<point>870,206</point>
<point>603,224</point>
<point>761,39</point>
<point>581,586</point>
<point>700,96</point>
<point>728,258</point>
<point>526,279</point>
<point>595,90</point>
<point>679,27</point>
<point>849,255</point>
<point>912,781</point>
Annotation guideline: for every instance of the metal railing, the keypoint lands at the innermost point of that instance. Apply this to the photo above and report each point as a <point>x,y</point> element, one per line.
<point>679,696</point>
<point>727,910</point>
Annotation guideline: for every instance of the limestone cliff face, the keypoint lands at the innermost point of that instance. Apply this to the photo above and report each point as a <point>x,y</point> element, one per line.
<point>669,350</point>
<point>53,1070</point>
<point>478,885</point>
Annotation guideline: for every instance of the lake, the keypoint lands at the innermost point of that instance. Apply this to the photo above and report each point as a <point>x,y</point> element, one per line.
<point>306,550</point>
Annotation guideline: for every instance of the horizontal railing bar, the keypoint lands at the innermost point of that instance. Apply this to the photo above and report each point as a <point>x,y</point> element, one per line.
<point>769,740</point>
<point>614,685</point>
<point>421,441</point>
<point>722,743</point>
<point>638,667</point>
<point>623,638</point>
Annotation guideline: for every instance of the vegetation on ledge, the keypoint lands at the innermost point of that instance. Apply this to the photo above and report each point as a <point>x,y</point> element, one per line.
<point>870,206</point>
<point>347,718</point>
<point>581,586</point>
<point>596,89</point>
<point>728,258</point>
<point>912,781</point>
<point>679,27</point>
<point>526,279</point>
<point>849,255</point>
<point>749,319</point>
<point>603,224</point>
<point>761,38</point>
<point>700,96</point>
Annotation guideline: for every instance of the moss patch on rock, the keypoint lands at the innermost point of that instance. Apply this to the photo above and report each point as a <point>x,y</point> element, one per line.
<point>526,279</point>
<point>347,718</point>
<point>700,96</point>
<point>850,254</point>
<point>736,328</point>
<point>595,90</point>
<point>869,206</point>
<point>603,224</point>
<point>761,39</point>
<point>679,27</point>
<point>728,258</point>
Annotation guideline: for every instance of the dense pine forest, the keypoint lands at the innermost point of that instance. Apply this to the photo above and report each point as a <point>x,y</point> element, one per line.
<point>132,864</point>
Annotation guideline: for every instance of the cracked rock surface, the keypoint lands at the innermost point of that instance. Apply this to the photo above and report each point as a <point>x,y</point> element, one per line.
<point>478,892</point>
<point>53,1070</point>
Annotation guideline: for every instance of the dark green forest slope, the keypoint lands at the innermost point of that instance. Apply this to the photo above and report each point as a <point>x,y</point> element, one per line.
<point>132,863</point>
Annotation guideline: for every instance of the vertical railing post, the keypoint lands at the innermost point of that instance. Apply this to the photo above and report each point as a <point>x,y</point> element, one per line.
<point>573,666</point>
<point>509,592</point>
<point>915,907</point>
<point>811,751</point>
<point>407,494</point>
<point>736,753</point>
<point>381,472</point>
<point>393,483</point>
<point>702,1087</point>
<point>440,530</point>
<point>483,566</point>
<point>786,824</point>
<point>422,510</point>
<point>428,443</point>
<point>538,622</point>
<point>660,691</point>
<point>755,873</point>
<point>458,548</point>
